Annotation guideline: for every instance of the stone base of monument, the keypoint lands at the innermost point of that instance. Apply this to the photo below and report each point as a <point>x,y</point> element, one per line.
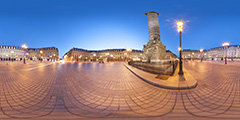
<point>163,67</point>
<point>175,82</point>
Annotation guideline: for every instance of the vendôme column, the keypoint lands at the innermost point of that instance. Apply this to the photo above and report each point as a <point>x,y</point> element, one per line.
<point>154,50</point>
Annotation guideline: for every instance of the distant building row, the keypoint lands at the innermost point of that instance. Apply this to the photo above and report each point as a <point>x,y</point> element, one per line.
<point>78,54</point>
<point>12,53</point>
<point>218,53</point>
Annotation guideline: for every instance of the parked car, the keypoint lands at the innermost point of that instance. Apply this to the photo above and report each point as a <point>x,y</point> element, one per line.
<point>101,61</point>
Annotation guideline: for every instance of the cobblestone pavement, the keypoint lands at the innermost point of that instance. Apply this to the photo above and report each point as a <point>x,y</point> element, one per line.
<point>111,91</point>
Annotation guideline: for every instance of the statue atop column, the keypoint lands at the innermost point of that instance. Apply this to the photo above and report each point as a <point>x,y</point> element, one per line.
<point>154,50</point>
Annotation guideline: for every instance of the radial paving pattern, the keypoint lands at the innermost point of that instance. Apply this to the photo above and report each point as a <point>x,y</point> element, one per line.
<point>93,90</point>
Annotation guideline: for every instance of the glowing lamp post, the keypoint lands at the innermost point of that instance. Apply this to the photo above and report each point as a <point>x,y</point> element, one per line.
<point>201,50</point>
<point>125,55</point>
<point>180,28</point>
<point>41,52</point>
<point>129,49</point>
<point>54,57</point>
<point>225,45</point>
<point>24,47</point>
<point>12,55</point>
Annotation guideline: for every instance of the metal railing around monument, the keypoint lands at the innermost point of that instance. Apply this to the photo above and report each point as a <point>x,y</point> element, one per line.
<point>166,67</point>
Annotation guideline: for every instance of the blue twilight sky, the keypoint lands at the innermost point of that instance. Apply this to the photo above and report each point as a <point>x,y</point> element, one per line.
<point>103,24</point>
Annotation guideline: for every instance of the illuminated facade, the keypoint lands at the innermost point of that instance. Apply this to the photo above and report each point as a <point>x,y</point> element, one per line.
<point>218,53</point>
<point>11,53</point>
<point>77,54</point>
<point>45,54</point>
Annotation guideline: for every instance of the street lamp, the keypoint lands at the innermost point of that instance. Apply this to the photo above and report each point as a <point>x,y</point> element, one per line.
<point>125,55</point>
<point>24,47</point>
<point>180,28</point>
<point>54,57</point>
<point>192,57</point>
<point>201,50</point>
<point>41,52</point>
<point>27,54</point>
<point>12,55</point>
<point>129,49</point>
<point>225,45</point>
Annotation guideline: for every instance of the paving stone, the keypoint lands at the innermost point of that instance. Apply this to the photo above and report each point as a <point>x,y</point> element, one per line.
<point>110,90</point>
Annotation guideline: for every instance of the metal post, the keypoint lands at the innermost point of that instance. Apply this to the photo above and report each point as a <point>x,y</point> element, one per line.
<point>225,60</point>
<point>180,52</point>
<point>226,55</point>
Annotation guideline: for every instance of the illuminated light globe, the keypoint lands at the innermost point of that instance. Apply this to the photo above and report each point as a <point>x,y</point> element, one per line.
<point>225,44</point>
<point>24,46</point>
<point>129,49</point>
<point>180,26</point>
<point>179,49</point>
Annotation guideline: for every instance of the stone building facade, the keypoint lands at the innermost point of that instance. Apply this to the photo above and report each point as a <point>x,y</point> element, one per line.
<point>170,55</point>
<point>78,54</point>
<point>45,54</point>
<point>11,53</point>
<point>218,53</point>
